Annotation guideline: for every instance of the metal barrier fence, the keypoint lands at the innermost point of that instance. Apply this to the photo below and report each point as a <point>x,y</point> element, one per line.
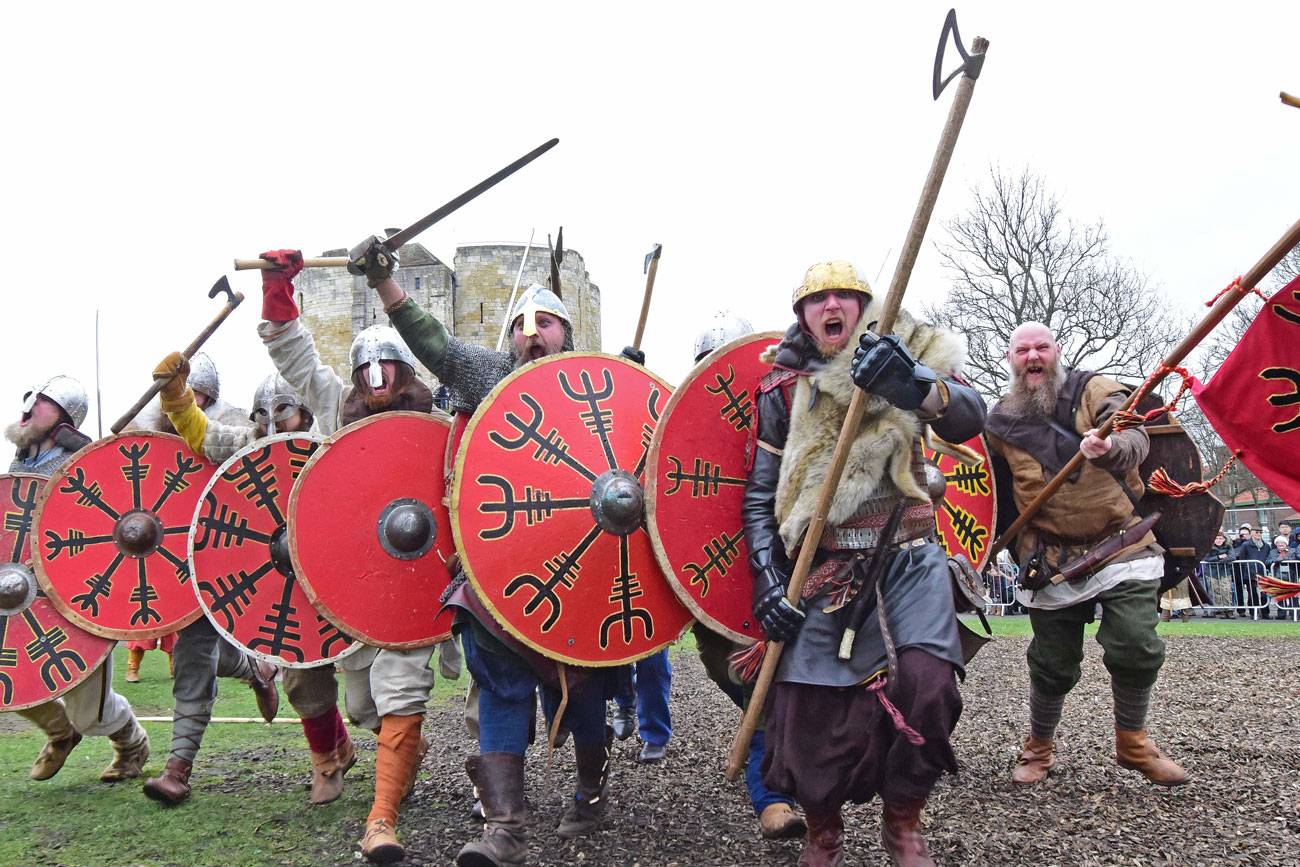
<point>1234,590</point>
<point>1232,587</point>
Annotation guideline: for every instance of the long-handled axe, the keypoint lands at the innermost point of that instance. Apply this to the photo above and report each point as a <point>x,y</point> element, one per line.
<point>970,69</point>
<point>650,268</point>
<point>234,299</point>
<point>396,241</point>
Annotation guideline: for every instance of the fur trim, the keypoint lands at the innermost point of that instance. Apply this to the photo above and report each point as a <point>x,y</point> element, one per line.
<point>881,454</point>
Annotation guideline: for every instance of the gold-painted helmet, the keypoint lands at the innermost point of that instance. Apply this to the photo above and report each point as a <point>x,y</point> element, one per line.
<point>823,276</point>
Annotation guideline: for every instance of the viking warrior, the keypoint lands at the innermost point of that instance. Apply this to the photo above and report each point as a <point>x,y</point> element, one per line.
<point>205,382</point>
<point>200,654</point>
<point>507,673</point>
<point>777,819</point>
<point>838,729</point>
<point>46,436</point>
<point>386,691</point>
<point>313,692</point>
<point>1050,414</point>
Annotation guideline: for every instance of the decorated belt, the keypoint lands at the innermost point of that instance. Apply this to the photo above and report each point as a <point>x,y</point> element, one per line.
<point>862,532</point>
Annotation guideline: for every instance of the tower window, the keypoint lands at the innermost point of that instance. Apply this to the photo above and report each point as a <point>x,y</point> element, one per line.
<point>417,284</point>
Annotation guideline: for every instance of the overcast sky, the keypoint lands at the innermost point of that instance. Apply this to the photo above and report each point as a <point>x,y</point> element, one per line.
<point>150,144</point>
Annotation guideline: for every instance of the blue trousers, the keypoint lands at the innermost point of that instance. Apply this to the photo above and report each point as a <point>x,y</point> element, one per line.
<point>653,678</point>
<point>505,702</point>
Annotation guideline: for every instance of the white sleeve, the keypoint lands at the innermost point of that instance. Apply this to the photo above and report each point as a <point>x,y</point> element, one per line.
<point>295,357</point>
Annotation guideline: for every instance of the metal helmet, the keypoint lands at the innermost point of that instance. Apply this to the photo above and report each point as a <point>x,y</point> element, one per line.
<point>64,391</point>
<point>724,327</point>
<point>203,376</point>
<point>839,274</point>
<point>274,401</point>
<point>375,344</point>
<point>538,299</point>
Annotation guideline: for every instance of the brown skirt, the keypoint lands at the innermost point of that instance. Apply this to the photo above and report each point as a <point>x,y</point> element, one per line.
<point>830,745</point>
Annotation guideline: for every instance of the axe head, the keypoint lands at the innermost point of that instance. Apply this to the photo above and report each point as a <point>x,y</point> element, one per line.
<point>651,256</point>
<point>222,285</point>
<point>971,63</point>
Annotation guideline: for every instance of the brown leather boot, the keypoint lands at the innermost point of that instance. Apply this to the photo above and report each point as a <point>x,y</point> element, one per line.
<point>1135,751</point>
<point>134,656</point>
<point>379,844</point>
<point>1036,761</point>
<point>130,752</point>
<point>1164,615</point>
<point>172,786</point>
<point>499,778</point>
<point>263,686</point>
<point>327,770</point>
<point>60,738</point>
<point>421,750</point>
<point>587,809</point>
<point>825,844</point>
<point>779,822</point>
<point>900,831</point>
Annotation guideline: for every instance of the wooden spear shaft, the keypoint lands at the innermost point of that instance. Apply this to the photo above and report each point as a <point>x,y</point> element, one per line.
<point>885,324</point>
<point>263,265</point>
<point>1220,309</point>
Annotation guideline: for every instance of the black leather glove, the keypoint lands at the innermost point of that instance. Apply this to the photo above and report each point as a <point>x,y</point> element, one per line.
<point>633,355</point>
<point>372,259</point>
<point>883,366</point>
<point>780,620</point>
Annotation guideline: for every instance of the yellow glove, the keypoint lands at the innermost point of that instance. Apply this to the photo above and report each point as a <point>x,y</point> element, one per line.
<point>174,395</point>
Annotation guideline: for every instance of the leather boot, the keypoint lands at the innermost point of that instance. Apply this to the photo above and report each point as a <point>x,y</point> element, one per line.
<point>1164,615</point>
<point>130,752</point>
<point>421,751</point>
<point>172,786</point>
<point>134,657</point>
<point>900,831</point>
<point>587,809</point>
<point>60,738</point>
<point>327,770</point>
<point>499,778</point>
<point>1186,615</point>
<point>825,844</point>
<point>624,722</point>
<point>263,686</point>
<point>379,844</point>
<point>1036,760</point>
<point>779,822</point>
<point>1135,751</point>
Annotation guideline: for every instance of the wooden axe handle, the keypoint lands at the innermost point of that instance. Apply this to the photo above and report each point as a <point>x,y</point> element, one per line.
<point>263,265</point>
<point>188,353</point>
<point>645,302</point>
<point>1288,99</point>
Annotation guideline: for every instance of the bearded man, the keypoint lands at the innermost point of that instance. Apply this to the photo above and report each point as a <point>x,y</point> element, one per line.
<point>46,436</point>
<point>507,673</point>
<point>1050,414</point>
<point>313,692</point>
<point>386,691</point>
<point>841,730</point>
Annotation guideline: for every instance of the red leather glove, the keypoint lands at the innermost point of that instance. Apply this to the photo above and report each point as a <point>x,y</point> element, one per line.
<point>277,285</point>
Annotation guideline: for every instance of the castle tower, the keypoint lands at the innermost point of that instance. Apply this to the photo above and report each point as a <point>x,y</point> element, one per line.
<point>470,301</point>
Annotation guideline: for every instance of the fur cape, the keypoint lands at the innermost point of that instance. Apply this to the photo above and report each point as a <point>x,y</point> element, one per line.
<point>881,452</point>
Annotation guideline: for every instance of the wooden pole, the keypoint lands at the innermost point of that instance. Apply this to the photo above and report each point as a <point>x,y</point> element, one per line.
<point>885,324</point>
<point>1288,99</point>
<point>236,298</point>
<point>263,265</point>
<point>653,260</point>
<point>1220,309</point>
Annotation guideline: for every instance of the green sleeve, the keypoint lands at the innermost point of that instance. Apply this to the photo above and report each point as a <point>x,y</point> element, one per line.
<point>423,333</point>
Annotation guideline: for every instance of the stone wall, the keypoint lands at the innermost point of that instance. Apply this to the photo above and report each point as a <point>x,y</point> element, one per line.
<point>471,300</point>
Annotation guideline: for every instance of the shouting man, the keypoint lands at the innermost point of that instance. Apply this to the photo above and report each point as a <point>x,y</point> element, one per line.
<point>1050,414</point>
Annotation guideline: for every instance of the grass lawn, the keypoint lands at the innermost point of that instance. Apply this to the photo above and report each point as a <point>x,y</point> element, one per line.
<point>1236,628</point>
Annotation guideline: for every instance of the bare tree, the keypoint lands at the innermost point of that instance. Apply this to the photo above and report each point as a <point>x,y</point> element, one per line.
<point>1014,256</point>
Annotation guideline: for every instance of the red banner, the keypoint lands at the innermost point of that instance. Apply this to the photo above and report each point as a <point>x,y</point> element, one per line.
<point>1253,401</point>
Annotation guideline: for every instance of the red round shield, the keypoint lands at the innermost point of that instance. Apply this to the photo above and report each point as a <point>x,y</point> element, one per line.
<point>547,510</point>
<point>112,526</point>
<point>42,655</point>
<point>239,556</point>
<point>368,530</point>
<point>968,515</point>
<point>695,482</point>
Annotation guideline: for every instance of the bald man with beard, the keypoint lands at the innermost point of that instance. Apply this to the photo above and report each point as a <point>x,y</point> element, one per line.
<point>1050,414</point>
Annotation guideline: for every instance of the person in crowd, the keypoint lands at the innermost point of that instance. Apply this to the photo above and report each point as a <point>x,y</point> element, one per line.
<point>1216,569</point>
